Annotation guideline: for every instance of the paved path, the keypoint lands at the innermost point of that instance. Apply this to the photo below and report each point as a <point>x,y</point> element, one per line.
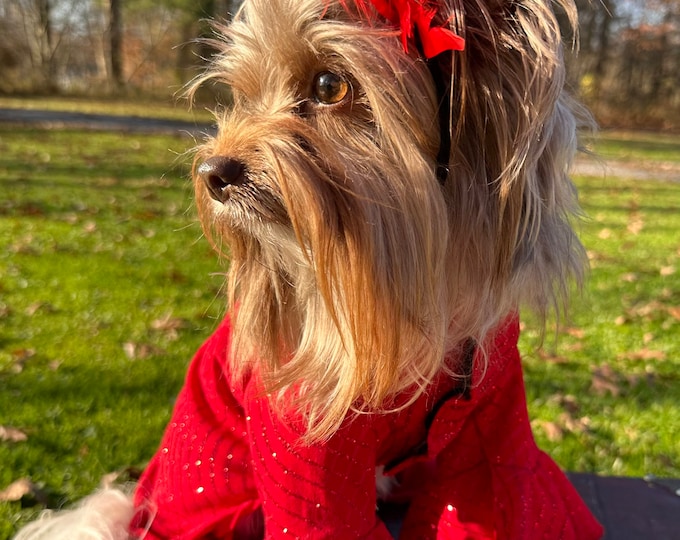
<point>100,122</point>
<point>665,171</point>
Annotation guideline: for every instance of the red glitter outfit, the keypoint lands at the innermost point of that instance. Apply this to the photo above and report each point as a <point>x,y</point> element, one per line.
<point>477,472</point>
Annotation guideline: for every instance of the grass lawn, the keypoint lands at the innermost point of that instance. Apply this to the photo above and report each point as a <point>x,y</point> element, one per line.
<point>107,289</point>
<point>636,146</point>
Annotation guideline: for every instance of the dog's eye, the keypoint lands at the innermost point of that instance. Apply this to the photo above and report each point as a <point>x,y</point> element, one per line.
<point>330,88</point>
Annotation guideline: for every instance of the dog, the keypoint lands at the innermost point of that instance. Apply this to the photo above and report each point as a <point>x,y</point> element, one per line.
<point>390,186</point>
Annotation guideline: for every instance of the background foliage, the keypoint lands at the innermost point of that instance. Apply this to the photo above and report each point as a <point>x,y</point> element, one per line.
<point>627,69</point>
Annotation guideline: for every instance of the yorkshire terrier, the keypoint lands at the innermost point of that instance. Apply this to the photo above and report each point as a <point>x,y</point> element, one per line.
<point>391,183</point>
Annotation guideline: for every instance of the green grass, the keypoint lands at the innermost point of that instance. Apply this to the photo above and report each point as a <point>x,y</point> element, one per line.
<point>636,147</point>
<point>107,289</point>
<point>98,243</point>
<point>606,392</point>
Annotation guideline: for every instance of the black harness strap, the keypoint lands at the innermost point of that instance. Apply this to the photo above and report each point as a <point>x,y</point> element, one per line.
<point>443,88</point>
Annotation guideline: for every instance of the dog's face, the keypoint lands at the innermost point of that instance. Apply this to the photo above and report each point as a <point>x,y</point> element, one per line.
<point>354,265</point>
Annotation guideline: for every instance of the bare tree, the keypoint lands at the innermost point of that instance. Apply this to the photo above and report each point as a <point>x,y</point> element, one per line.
<point>116,42</point>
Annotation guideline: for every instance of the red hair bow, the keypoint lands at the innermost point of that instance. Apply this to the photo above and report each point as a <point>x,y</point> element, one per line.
<point>410,14</point>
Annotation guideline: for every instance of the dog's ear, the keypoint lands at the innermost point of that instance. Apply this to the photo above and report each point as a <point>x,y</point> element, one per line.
<point>513,137</point>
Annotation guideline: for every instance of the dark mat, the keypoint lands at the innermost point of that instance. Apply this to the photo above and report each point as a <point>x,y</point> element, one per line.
<point>632,508</point>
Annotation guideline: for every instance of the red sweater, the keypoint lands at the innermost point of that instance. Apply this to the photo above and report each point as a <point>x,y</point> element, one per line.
<point>226,456</point>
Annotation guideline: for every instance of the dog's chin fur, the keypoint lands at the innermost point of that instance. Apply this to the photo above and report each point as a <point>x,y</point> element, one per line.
<point>352,270</point>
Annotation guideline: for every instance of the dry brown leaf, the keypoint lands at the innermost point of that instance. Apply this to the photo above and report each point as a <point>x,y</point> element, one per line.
<point>33,308</point>
<point>552,357</point>
<point>635,223</point>
<point>574,425</point>
<point>578,333</point>
<point>130,349</point>
<point>8,433</point>
<point>569,403</point>
<point>169,325</point>
<point>573,347</point>
<point>667,270</point>
<point>552,430</point>
<point>140,351</point>
<point>650,308</point>
<point>643,354</point>
<point>54,365</point>
<point>629,277</point>
<point>605,381</point>
<point>674,312</point>
<point>19,359</point>
<point>620,320</point>
<point>648,378</point>
<point>604,234</point>
<point>17,490</point>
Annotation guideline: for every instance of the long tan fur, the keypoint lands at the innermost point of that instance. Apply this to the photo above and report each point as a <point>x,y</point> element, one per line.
<point>353,272</point>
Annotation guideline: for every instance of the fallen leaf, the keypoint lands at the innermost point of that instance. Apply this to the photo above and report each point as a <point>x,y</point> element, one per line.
<point>667,270</point>
<point>33,308</point>
<point>140,351</point>
<point>674,312</point>
<point>569,403</point>
<point>552,430</point>
<point>54,365</point>
<point>11,434</point>
<point>604,234</point>
<point>650,308</point>
<point>19,359</point>
<point>574,425</point>
<point>578,333</point>
<point>648,378</point>
<point>39,306</point>
<point>635,223</point>
<point>643,354</point>
<point>552,357</point>
<point>18,490</point>
<point>169,325</point>
<point>605,381</point>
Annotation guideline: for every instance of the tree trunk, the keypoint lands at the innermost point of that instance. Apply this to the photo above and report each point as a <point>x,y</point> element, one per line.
<point>116,43</point>
<point>45,43</point>
<point>603,52</point>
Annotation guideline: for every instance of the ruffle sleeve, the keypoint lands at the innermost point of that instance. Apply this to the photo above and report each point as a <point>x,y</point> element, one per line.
<point>488,477</point>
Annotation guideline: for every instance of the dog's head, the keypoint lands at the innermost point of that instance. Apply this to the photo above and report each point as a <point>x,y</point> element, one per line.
<point>385,192</point>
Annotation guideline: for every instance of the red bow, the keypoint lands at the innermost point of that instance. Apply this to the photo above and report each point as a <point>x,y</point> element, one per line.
<point>410,14</point>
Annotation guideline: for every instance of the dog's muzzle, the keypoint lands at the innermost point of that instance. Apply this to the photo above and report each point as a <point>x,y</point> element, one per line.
<point>219,173</point>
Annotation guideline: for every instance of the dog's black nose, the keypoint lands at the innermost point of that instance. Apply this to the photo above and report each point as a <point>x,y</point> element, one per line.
<point>220,172</point>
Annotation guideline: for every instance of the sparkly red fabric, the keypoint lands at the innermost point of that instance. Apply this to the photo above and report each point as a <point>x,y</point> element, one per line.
<point>477,474</point>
